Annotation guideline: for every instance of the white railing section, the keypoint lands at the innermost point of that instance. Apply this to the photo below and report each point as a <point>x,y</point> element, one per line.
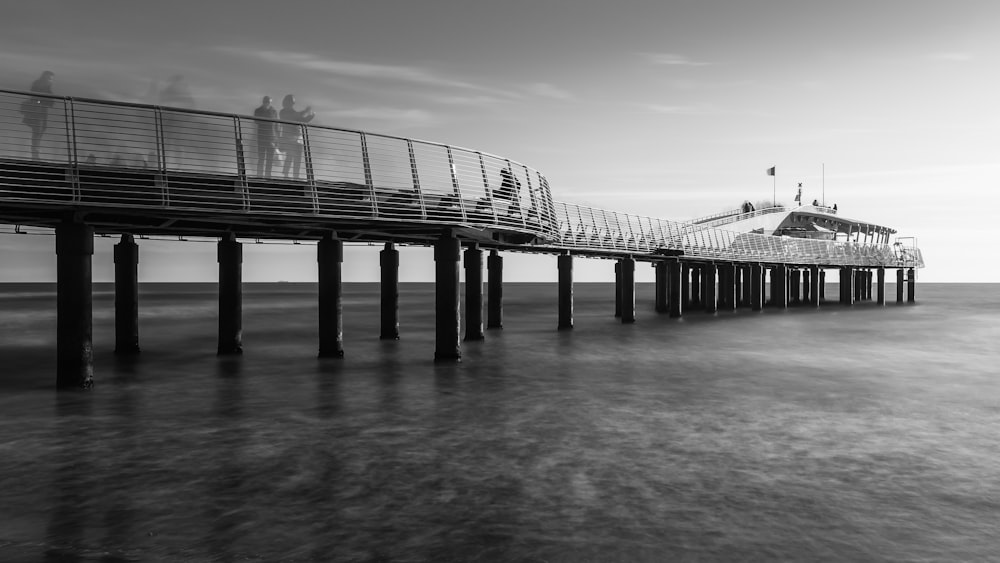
<point>588,229</point>
<point>98,153</point>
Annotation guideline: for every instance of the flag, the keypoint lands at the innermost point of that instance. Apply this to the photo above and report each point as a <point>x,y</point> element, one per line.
<point>770,171</point>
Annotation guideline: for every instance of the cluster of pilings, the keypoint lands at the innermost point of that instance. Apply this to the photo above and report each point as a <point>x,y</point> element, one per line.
<point>681,285</point>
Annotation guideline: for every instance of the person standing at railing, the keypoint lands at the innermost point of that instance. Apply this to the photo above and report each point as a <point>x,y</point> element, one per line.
<point>267,133</point>
<point>291,133</point>
<point>510,190</point>
<point>36,111</point>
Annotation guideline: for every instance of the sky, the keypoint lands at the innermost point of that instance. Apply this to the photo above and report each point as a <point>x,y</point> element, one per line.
<point>671,109</point>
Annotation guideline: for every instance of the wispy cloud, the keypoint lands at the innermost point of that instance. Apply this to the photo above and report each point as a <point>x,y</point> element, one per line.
<point>410,74</point>
<point>396,115</point>
<point>672,59</point>
<point>954,57</point>
<point>547,90</point>
<point>681,109</point>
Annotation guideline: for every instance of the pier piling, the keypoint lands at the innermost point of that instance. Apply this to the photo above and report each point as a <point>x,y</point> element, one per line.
<point>880,286</point>
<point>660,288</point>
<point>230,255</point>
<point>675,286</point>
<point>330,253</point>
<point>899,285</point>
<point>756,287</point>
<point>816,283</point>
<point>494,290</point>
<point>911,286</point>
<point>389,289</point>
<point>627,290</point>
<point>473,293</point>
<point>447,299</point>
<point>709,293</point>
<point>126,255</point>
<point>564,262</point>
<point>74,306</point>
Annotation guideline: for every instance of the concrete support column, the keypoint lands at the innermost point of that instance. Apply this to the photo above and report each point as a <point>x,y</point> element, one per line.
<point>126,296</point>
<point>822,286</point>
<point>660,288</point>
<point>389,263</point>
<point>74,306</point>
<point>330,255</point>
<point>709,293</point>
<point>565,264</point>
<point>675,285</point>
<point>806,286</point>
<point>494,290</point>
<point>473,293</point>
<point>696,299</point>
<point>447,299</point>
<point>756,287</point>
<point>899,285</point>
<point>911,286</point>
<point>795,289</point>
<point>628,290</point>
<point>230,255</point>
<point>847,285</point>
<point>815,281</point>
<point>779,286</point>
<point>880,285</point>
<point>618,288</point>
<point>746,272</point>
<point>685,285</point>
<point>737,272</point>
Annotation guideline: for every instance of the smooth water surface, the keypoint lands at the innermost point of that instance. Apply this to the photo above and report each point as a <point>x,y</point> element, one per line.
<point>838,434</point>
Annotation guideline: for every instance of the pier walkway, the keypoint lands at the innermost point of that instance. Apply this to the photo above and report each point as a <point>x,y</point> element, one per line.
<point>131,169</point>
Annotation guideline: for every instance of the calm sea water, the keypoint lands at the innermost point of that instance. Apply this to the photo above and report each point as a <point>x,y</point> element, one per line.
<point>843,434</point>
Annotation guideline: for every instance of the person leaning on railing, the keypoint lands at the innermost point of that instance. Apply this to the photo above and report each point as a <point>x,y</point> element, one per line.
<point>267,133</point>
<point>36,111</point>
<point>291,134</point>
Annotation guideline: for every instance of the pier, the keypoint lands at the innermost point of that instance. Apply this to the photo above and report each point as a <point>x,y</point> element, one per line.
<point>133,171</point>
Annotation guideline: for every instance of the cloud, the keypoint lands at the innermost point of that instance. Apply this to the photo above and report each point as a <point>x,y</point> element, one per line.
<point>393,73</point>
<point>954,57</point>
<point>546,90</point>
<point>693,109</point>
<point>672,59</point>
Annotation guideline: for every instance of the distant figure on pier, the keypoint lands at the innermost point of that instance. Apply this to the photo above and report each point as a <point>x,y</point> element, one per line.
<point>834,206</point>
<point>815,203</point>
<point>510,190</point>
<point>35,111</point>
<point>267,133</point>
<point>291,134</point>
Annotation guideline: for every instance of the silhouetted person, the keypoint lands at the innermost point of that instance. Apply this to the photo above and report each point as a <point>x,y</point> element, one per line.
<point>267,133</point>
<point>291,133</point>
<point>510,189</point>
<point>815,203</point>
<point>834,206</point>
<point>36,110</point>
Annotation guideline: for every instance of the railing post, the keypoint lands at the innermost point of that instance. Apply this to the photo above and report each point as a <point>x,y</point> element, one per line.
<point>71,150</point>
<point>241,164</point>
<point>310,171</point>
<point>161,162</point>
<point>416,179</point>
<point>366,162</point>
<point>454,183</point>
<point>486,186</point>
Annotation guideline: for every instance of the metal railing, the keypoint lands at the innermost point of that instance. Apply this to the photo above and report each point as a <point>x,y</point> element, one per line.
<point>99,153</point>
<point>95,153</point>
<point>588,229</point>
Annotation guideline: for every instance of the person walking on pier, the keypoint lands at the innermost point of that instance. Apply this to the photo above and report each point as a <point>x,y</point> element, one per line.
<point>291,133</point>
<point>36,111</point>
<point>267,132</point>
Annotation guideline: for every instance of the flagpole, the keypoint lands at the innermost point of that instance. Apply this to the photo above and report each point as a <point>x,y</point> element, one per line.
<point>824,184</point>
<point>774,189</point>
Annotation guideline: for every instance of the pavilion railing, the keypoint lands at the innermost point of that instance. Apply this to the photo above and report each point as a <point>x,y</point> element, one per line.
<point>588,229</point>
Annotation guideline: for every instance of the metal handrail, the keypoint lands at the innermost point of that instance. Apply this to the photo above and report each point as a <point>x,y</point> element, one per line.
<point>580,229</point>
<point>122,155</point>
<point>202,161</point>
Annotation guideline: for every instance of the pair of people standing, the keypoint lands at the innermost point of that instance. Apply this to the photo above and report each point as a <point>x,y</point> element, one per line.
<point>286,137</point>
